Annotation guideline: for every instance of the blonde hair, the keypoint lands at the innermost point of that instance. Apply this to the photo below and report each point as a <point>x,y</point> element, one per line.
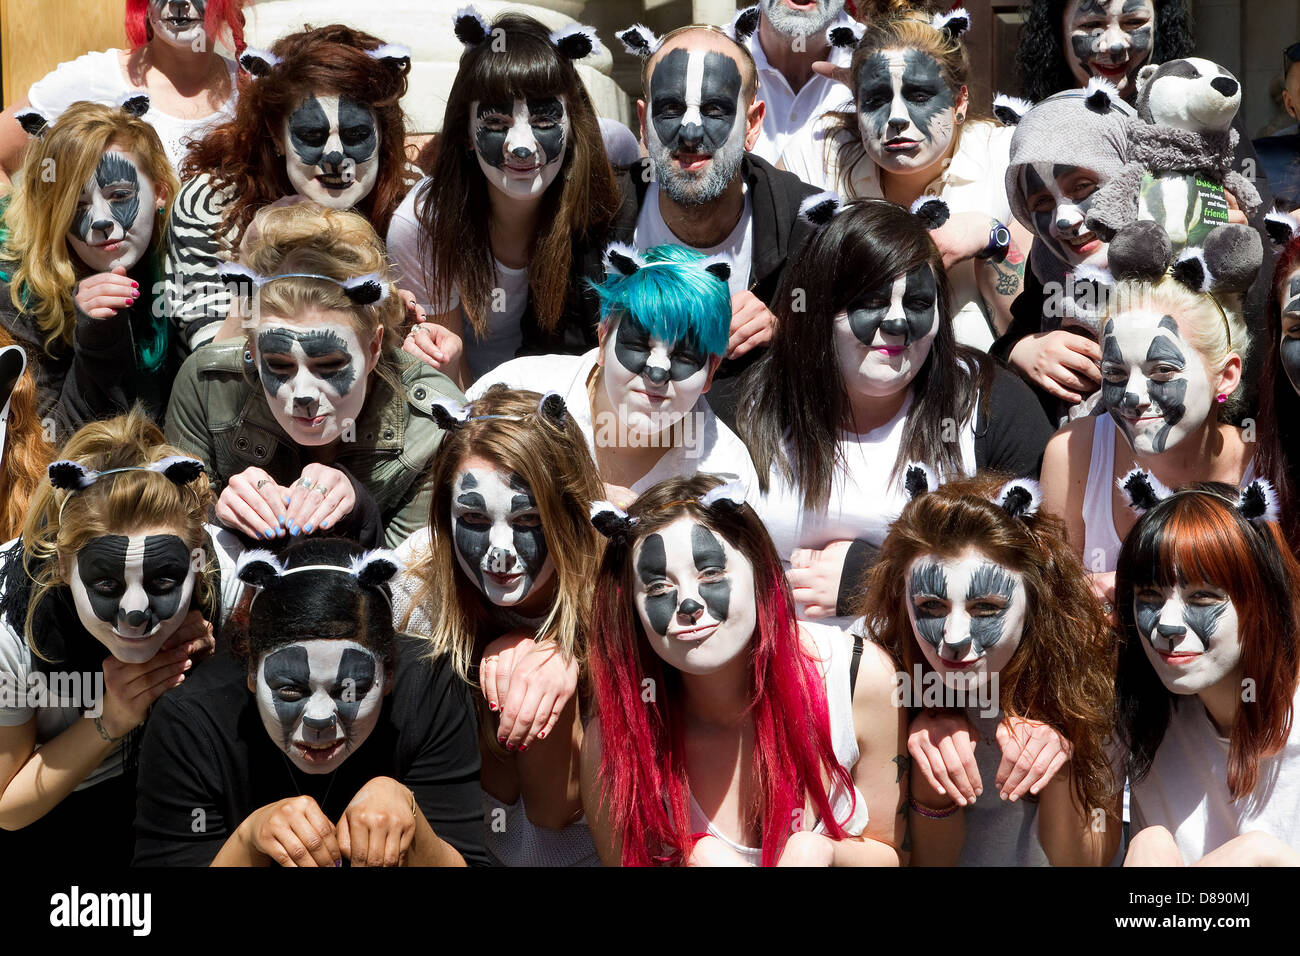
<point>307,237</point>
<point>531,445</point>
<point>27,452</point>
<point>43,208</point>
<point>62,522</point>
<point>1211,323</point>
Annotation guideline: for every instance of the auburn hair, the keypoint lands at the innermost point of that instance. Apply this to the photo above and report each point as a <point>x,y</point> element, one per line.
<point>1062,673</point>
<point>644,786</point>
<point>27,452</point>
<point>241,155</point>
<point>1279,403</point>
<point>1197,535</point>
<point>453,204</point>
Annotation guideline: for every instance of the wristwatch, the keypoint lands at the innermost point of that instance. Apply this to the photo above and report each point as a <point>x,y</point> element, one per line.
<point>999,243</point>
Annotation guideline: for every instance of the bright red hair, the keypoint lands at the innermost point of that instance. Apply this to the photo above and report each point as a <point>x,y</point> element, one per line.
<point>219,15</point>
<point>643,764</point>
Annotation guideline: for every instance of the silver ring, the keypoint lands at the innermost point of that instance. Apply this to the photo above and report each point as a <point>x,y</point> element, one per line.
<point>1107,607</point>
<point>305,483</point>
<point>264,481</point>
<point>322,489</point>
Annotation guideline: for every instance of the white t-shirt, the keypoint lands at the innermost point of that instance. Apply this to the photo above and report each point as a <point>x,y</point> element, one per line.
<point>18,706</point>
<point>98,77</point>
<point>1186,789</point>
<point>792,137</point>
<point>974,181</point>
<point>708,447</point>
<point>863,502</point>
<point>651,230</point>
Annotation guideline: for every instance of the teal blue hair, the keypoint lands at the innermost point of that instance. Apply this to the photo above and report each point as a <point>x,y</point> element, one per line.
<point>672,298</point>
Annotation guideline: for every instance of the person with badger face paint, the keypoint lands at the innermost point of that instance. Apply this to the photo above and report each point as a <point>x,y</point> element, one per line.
<point>314,422</point>
<point>109,598</point>
<point>1171,368</point>
<point>368,750</point>
<point>500,583</point>
<point>977,593</point>
<point>79,260</point>
<point>1208,675</point>
<point>691,601</point>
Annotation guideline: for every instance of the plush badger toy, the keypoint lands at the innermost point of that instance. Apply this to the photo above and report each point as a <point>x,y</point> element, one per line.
<point>1166,208</point>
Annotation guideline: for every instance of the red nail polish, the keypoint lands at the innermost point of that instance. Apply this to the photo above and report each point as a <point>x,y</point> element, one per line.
<point>524,747</point>
<point>542,735</point>
<point>501,741</point>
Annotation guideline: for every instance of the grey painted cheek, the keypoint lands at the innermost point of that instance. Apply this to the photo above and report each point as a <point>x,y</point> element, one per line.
<point>491,143</point>
<point>309,131</point>
<point>875,94</point>
<point>356,132</point>
<point>282,669</point>
<point>1147,614</point>
<point>1204,620</point>
<point>632,345</point>
<point>989,579</point>
<point>708,553</point>
<point>114,168</point>
<point>550,137</point>
<point>865,321</point>
<point>928,580</point>
<point>1114,394</point>
<point>355,678</point>
<point>652,566</point>
<point>1171,396</point>
<point>925,91</point>
<point>530,543</point>
<point>165,557</point>
<point>471,540</point>
<point>1289,352</point>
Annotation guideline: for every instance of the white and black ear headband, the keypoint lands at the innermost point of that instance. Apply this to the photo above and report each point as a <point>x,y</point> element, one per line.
<point>1019,498</point>
<point>451,415</point>
<point>622,259</point>
<point>368,289</point>
<point>374,569</point>
<point>259,63</point>
<point>820,208</point>
<point>1282,227</point>
<point>614,523</point>
<point>36,123</point>
<point>72,476</point>
<point>574,42</point>
<point>1256,502</point>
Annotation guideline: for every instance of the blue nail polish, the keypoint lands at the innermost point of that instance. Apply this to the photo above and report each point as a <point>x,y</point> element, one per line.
<point>286,499</point>
<point>283,519</point>
<point>325,525</point>
<point>307,530</point>
<point>293,530</point>
<point>270,533</point>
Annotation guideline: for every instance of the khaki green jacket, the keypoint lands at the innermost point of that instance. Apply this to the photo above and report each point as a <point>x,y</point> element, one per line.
<point>218,412</point>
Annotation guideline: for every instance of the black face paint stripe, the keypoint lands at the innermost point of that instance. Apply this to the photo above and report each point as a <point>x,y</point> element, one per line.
<point>708,553</point>
<point>1163,349</point>
<point>989,580</point>
<point>719,97</point>
<point>652,566</point>
<point>1147,613</point>
<point>632,348</point>
<point>1171,396</point>
<point>356,675</point>
<point>309,131</point>
<point>1204,620</point>
<point>114,168</point>
<point>357,130</point>
<point>876,310</point>
<point>929,581</point>
<point>104,559</point>
<point>549,138</point>
<point>315,344</point>
<point>287,668</point>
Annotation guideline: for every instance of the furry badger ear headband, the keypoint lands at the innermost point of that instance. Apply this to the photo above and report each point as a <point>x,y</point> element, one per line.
<point>820,208</point>
<point>574,42</point>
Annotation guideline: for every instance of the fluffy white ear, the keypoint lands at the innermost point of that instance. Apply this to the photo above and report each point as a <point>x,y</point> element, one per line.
<point>178,469</point>
<point>1089,273</point>
<point>1010,110</point>
<point>1282,227</point>
<point>931,210</point>
<point>845,35</point>
<point>367,289</point>
<point>743,24</point>
<point>1193,271</point>
<point>732,492</point>
<point>394,53</point>
<point>820,208</point>
<point>576,41</point>
<point>470,27</point>
<point>639,40</point>
<point>233,272</point>
<point>258,567</point>
<point>1142,490</point>
<point>1101,95</point>
<point>610,520</point>
<point>449,414</point>
<point>919,479</point>
<point>70,475</point>
<point>954,23</point>
<point>376,568</point>
<point>622,258</point>
<point>1258,502</point>
<point>1020,498</point>
<point>33,121</point>
<point>258,62</point>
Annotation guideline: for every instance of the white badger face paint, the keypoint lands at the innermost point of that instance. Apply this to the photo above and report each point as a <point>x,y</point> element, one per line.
<point>132,592</point>
<point>1289,347</point>
<point>520,144</point>
<point>1190,634</point>
<point>179,23</point>
<point>497,532</point>
<point>1154,384</point>
<point>115,214</point>
<point>695,595</point>
<point>314,378</point>
<point>967,614</point>
<point>331,150</point>
<point>883,339</point>
<point>801,18</point>
<point>1109,38</point>
<point>906,112</point>
<point>695,126</point>
<point>652,384</point>
<point>319,700</point>
<point>1058,197</point>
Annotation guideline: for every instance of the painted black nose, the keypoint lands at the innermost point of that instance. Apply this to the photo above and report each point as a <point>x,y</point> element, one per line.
<point>1225,85</point>
<point>692,135</point>
<point>300,401</point>
<point>656,374</point>
<point>894,326</point>
<point>135,618</point>
<point>1170,630</point>
<point>690,607</point>
<point>521,152</point>
<point>332,160</point>
<point>318,723</point>
<point>102,225</point>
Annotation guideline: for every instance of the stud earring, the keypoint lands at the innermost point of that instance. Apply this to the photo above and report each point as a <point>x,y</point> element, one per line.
<point>1222,398</point>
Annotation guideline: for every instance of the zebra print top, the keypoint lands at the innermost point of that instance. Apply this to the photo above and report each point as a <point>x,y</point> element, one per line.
<point>199,300</point>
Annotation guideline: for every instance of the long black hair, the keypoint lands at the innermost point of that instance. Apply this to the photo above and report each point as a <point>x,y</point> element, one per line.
<point>1040,58</point>
<point>795,393</point>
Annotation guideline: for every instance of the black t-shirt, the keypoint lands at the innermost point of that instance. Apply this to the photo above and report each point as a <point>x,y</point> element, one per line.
<point>207,762</point>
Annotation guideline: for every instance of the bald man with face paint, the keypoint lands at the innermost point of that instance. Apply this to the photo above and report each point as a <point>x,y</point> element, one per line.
<point>701,186</point>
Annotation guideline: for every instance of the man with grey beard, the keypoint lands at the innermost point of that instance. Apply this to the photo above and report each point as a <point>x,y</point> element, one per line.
<point>790,37</point>
<point>699,119</point>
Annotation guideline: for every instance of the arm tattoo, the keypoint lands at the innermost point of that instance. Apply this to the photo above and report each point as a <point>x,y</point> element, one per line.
<point>904,762</point>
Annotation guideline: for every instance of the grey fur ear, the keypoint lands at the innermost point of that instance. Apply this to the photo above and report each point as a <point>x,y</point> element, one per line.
<point>33,122</point>
<point>1281,227</point>
<point>743,24</point>
<point>919,479</point>
<point>553,409</point>
<point>367,289</point>
<point>1010,110</point>
<point>135,104</point>
<point>69,475</point>
<point>820,208</point>
<point>952,24</point>
<point>611,520</point>
<point>639,40</point>
<point>1020,498</point>
<point>470,27</point>
<point>258,567</point>
<point>258,63</point>
<point>376,568</point>
<point>1142,491</point>
<point>1258,502</point>
<point>932,211</point>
